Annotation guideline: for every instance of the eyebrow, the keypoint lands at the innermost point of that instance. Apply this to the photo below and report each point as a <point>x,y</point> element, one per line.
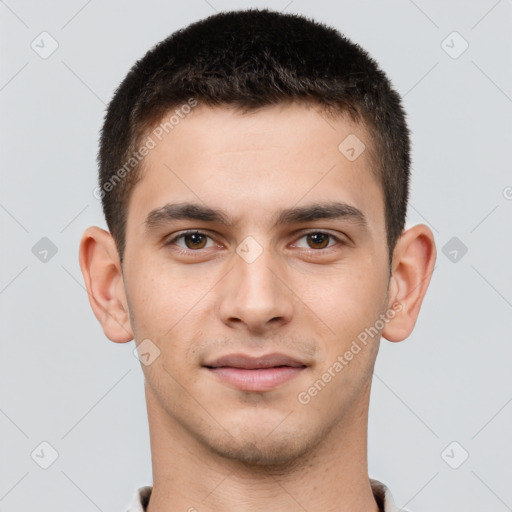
<point>316,211</point>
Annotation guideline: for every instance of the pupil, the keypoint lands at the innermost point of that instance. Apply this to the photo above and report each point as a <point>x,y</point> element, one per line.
<point>195,238</point>
<point>318,238</point>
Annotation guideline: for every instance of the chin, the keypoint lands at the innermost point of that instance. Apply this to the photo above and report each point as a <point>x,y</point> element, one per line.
<point>275,452</point>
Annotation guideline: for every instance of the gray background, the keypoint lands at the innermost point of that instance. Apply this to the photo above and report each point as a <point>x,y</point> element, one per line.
<point>62,381</point>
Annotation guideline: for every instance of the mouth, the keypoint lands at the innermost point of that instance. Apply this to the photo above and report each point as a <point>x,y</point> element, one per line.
<point>262,373</point>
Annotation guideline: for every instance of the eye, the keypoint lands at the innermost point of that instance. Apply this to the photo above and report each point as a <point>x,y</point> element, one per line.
<point>317,240</point>
<point>193,240</point>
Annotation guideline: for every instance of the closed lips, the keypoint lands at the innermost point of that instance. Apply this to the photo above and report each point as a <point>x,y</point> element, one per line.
<point>246,362</point>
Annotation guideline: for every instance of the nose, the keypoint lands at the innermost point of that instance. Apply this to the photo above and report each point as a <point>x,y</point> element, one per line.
<point>254,295</point>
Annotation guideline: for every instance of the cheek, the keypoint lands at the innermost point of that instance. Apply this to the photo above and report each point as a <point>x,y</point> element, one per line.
<point>157,303</point>
<point>166,309</point>
<point>349,303</point>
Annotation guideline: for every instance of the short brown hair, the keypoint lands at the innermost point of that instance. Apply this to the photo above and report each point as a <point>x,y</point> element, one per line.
<point>249,59</point>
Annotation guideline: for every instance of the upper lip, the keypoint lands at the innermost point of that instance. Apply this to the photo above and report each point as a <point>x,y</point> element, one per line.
<point>247,362</point>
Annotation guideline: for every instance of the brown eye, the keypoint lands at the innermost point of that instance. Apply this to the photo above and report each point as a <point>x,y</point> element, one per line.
<point>194,240</point>
<point>318,240</point>
<point>191,241</point>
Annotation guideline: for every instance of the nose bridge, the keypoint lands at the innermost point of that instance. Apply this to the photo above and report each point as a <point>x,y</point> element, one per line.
<point>254,295</point>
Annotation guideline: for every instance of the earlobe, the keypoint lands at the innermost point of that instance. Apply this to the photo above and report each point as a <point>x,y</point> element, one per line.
<point>101,269</point>
<point>413,264</point>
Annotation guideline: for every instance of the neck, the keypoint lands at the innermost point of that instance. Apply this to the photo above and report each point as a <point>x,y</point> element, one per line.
<point>188,476</point>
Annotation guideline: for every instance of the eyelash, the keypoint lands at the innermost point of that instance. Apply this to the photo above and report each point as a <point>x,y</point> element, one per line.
<point>187,252</point>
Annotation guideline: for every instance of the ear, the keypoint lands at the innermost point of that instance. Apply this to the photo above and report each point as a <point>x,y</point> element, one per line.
<point>414,258</point>
<point>101,269</point>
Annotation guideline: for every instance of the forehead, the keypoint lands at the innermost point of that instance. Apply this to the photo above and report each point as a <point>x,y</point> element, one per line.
<point>253,164</point>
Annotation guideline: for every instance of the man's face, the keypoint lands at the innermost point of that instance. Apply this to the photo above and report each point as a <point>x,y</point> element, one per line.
<point>299,291</point>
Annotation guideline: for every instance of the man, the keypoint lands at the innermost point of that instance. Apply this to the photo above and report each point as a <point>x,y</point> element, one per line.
<point>254,173</point>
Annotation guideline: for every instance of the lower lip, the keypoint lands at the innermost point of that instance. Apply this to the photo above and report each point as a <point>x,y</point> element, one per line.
<point>262,379</point>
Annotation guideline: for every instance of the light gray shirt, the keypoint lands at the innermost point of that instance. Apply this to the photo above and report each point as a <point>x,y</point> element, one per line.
<point>380,491</point>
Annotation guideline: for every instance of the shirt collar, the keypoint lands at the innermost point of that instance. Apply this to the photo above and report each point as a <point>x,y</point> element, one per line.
<point>380,491</point>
